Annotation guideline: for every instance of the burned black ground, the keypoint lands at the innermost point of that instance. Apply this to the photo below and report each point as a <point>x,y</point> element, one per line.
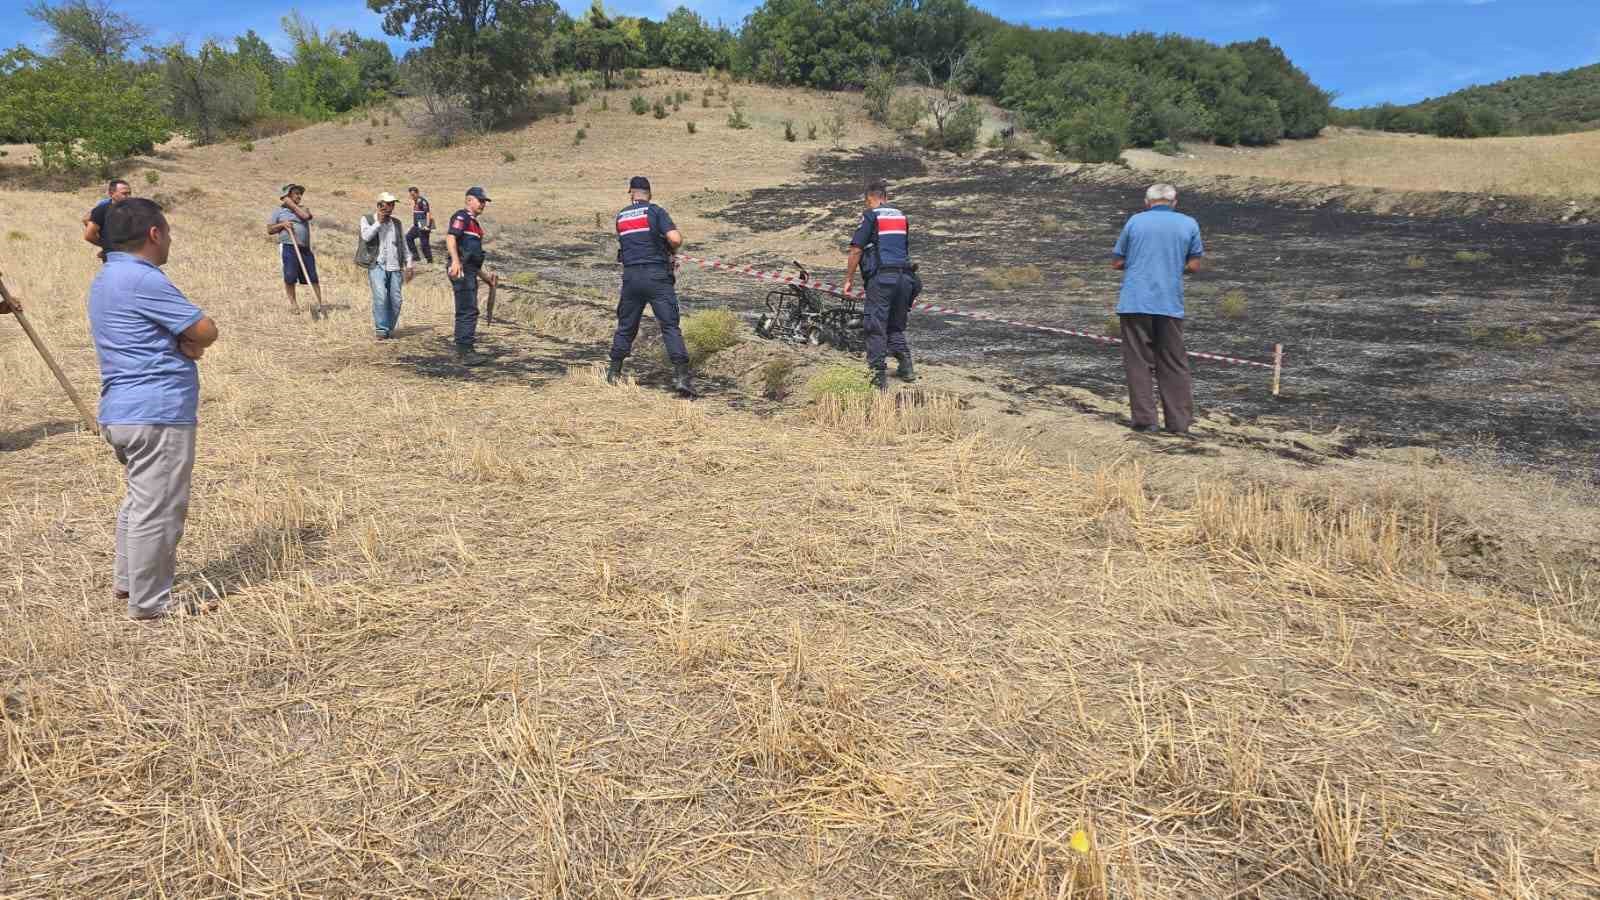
<point>1390,337</point>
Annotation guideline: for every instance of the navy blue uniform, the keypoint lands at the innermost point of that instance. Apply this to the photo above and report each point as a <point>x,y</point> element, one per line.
<point>884,239</point>
<point>420,211</point>
<point>469,246</point>
<point>646,279</point>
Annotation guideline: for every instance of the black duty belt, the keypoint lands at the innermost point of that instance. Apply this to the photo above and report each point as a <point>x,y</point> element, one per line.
<point>901,269</point>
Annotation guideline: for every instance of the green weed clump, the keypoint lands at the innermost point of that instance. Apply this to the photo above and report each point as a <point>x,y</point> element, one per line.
<point>639,105</point>
<point>660,110</point>
<point>1472,256</point>
<point>788,130</point>
<point>845,382</point>
<point>1233,305</point>
<point>248,147</point>
<point>710,332</point>
<point>578,138</point>
<point>154,178</point>
<point>691,127</point>
<point>525,279</point>
<point>1415,262</point>
<point>18,236</point>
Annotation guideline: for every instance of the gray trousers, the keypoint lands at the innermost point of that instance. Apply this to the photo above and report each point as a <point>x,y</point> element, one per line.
<point>159,460</point>
<point>1154,344</point>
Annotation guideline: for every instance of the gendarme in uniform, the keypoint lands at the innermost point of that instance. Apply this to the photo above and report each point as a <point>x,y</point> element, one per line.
<point>465,237</point>
<point>646,239</point>
<point>882,245</point>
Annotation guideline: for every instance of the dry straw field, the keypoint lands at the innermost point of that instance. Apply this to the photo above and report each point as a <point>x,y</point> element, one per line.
<point>1565,167</point>
<point>517,633</point>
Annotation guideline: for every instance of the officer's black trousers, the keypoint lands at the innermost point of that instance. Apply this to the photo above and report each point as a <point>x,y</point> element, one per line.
<point>416,232</point>
<point>466,291</point>
<point>651,285</point>
<point>888,306</point>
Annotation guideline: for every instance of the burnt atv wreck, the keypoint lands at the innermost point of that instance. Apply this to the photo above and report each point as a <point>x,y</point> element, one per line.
<point>800,314</point>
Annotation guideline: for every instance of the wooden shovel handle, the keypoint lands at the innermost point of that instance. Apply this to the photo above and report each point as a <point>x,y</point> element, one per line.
<point>38,344</point>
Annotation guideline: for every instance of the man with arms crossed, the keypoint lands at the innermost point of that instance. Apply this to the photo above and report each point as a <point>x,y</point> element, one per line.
<point>1156,249</point>
<point>147,336</point>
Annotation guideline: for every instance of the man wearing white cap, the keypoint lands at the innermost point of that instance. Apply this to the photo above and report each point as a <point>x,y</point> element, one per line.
<point>382,251</point>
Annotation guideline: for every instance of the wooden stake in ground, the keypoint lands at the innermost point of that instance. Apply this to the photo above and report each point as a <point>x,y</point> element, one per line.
<point>493,281</point>
<point>15,306</point>
<point>316,288</point>
<point>1277,367</point>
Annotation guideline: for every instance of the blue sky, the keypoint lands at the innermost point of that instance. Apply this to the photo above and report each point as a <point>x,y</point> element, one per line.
<point>1368,51</point>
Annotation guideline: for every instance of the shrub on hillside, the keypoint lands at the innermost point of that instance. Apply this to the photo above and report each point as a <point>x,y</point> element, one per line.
<point>660,110</point>
<point>878,94</point>
<point>639,105</point>
<point>907,113</point>
<point>1451,120</point>
<point>960,130</point>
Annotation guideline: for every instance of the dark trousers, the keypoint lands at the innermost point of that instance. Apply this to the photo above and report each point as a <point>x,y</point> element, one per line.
<point>888,305</point>
<point>466,291</point>
<point>651,285</point>
<point>1156,343</point>
<point>416,232</point>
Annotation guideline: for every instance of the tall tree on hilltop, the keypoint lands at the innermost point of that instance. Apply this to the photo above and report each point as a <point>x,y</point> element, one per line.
<point>89,27</point>
<point>481,50</point>
<point>603,43</point>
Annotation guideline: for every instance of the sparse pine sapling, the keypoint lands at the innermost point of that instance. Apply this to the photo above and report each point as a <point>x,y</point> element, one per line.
<point>788,131</point>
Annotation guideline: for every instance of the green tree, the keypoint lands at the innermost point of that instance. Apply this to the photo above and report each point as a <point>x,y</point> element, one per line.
<point>320,81</point>
<point>377,71</point>
<point>1452,120</point>
<point>483,51</point>
<point>88,27</point>
<point>604,44</point>
<point>212,91</point>
<point>75,115</point>
<point>688,43</point>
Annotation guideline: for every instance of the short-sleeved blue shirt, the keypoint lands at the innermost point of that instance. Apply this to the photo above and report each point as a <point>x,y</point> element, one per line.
<point>884,238</point>
<point>135,317</point>
<point>1156,244</point>
<point>642,235</point>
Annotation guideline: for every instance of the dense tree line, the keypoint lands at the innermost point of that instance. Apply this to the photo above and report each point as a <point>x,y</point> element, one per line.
<point>478,62</point>
<point>88,103</point>
<point>1090,95</point>
<point>1551,103</point>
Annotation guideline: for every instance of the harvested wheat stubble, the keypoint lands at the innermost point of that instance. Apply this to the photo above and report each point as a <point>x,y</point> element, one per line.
<point>863,654</point>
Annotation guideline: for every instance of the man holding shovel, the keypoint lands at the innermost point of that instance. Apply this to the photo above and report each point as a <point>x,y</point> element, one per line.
<point>291,222</point>
<point>148,336</point>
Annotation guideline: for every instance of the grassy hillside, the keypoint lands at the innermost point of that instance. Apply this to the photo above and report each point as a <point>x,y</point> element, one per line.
<point>1547,103</point>
<point>514,632</point>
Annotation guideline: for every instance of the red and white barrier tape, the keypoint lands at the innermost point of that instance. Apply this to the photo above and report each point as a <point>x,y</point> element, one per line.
<point>828,287</point>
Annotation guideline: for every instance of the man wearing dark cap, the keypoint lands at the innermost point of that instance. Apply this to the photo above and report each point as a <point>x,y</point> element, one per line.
<point>147,336</point>
<point>291,222</point>
<point>881,250</point>
<point>464,240</point>
<point>646,242</point>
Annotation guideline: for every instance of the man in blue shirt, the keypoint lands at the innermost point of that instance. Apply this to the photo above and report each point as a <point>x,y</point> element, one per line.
<point>291,222</point>
<point>1156,249</point>
<point>147,336</point>
<point>646,242</point>
<point>881,250</point>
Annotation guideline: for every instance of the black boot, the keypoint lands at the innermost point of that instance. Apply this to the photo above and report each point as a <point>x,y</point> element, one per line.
<point>682,382</point>
<point>904,370</point>
<point>614,371</point>
<point>879,378</point>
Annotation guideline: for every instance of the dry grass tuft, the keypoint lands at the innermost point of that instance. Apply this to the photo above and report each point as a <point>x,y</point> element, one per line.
<point>1010,277</point>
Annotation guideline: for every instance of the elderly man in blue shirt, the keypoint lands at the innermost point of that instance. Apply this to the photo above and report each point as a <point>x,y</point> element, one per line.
<point>1157,247</point>
<point>147,336</point>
